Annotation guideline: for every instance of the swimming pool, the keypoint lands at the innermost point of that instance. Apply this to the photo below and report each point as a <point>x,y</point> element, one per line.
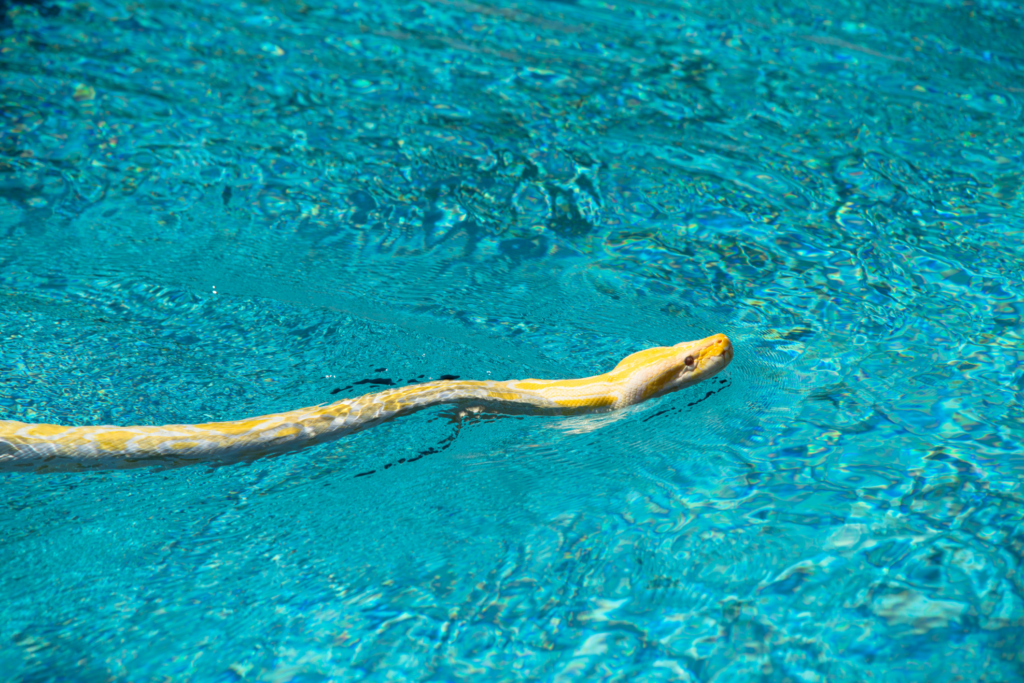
<point>215,211</point>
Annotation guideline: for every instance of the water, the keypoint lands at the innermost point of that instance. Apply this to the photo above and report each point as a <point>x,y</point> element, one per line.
<point>210,211</point>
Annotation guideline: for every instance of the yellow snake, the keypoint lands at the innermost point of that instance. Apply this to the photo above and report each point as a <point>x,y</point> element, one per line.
<point>638,377</point>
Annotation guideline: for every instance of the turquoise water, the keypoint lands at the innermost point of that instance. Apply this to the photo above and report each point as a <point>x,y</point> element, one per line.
<point>210,211</point>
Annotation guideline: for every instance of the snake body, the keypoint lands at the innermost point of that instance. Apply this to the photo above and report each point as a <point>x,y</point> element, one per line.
<point>638,377</point>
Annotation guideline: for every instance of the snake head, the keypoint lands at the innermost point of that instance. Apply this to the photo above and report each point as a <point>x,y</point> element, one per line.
<point>700,360</point>
<point>662,370</point>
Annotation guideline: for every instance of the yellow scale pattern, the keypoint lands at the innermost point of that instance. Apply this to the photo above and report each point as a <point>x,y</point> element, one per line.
<point>638,377</point>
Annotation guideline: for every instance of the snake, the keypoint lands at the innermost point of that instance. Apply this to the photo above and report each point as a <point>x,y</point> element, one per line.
<point>638,377</point>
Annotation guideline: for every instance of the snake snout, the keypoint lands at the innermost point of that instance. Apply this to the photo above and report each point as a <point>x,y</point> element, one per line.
<point>718,351</point>
<point>724,346</point>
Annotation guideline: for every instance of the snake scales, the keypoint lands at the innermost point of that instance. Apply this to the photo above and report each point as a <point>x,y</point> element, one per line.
<point>638,377</point>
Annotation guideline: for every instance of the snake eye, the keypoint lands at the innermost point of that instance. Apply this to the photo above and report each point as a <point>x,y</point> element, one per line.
<point>689,361</point>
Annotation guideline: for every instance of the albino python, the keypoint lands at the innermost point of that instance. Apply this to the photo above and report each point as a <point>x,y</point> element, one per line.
<point>638,377</point>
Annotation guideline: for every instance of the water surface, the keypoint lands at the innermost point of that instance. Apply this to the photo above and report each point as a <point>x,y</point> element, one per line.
<point>210,211</point>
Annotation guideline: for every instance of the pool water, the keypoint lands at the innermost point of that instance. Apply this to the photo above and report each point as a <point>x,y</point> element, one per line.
<point>216,210</point>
